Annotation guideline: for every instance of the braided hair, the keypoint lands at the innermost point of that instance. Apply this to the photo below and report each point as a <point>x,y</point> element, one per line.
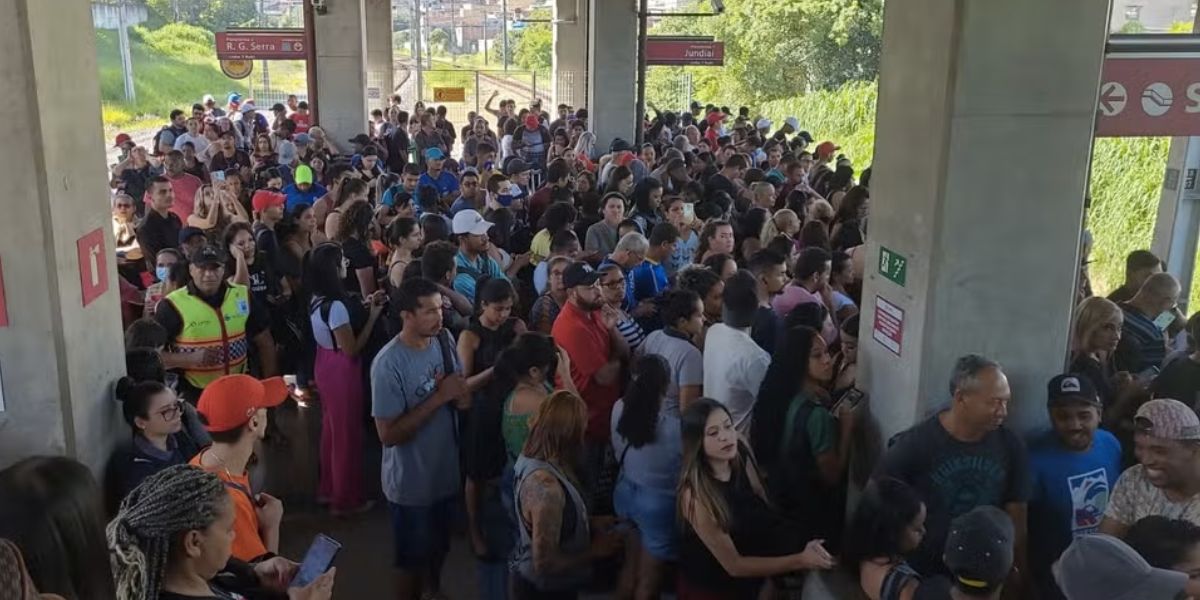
<point>177,499</point>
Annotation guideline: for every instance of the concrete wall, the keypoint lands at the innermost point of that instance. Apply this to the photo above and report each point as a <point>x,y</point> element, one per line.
<point>983,138</point>
<point>612,70</point>
<point>57,358</point>
<point>380,71</point>
<point>341,69</point>
<point>569,62</point>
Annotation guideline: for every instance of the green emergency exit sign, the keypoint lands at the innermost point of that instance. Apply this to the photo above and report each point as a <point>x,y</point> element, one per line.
<point>893,266</point>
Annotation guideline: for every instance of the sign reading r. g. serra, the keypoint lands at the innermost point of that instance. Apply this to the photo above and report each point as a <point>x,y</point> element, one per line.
<point>662,50</point>
<point>261,44</point>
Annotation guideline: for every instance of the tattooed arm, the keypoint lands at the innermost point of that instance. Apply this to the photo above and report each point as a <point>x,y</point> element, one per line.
<point>542,503</point>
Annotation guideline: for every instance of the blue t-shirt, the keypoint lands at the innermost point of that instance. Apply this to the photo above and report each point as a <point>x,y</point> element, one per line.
<point>445,183</point>
<point>297,196</point>
<point>425,469</point>
<point>1070,493</point>
<point>649,280</point>
<point>469,274</point>
<point>685,250</point>
<point>461,204</point>
<point>389,195</point>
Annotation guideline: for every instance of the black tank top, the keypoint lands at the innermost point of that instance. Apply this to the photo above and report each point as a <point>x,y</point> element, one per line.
<point>755,531</point>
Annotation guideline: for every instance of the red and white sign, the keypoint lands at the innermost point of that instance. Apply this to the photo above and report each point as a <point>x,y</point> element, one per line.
<point>675,51</point>
<point>257,44</point>
<point>1149,96</point>
<point>93,266</point>
<point>889,325</point>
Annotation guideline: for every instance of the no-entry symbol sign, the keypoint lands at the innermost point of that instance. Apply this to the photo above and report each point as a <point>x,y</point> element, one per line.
<point>1144,95</point>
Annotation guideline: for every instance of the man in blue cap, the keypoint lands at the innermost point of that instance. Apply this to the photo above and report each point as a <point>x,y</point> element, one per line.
<point>438,178</point>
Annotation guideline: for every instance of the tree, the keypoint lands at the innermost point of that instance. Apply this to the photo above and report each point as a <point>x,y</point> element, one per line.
<point>780,48</point>
<point>439,41</point>
<point>213,15</point>
<point>534,48</point>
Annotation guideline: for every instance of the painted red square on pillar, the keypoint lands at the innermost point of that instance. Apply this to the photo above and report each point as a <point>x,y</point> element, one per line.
<point>93,268</point>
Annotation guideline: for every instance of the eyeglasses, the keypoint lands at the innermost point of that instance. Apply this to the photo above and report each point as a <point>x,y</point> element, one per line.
<point>614,284</point>
<point>171,412</point>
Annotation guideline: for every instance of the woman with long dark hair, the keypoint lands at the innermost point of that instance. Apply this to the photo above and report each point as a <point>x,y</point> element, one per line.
<point>526,371</point>
<point>731,541</point>
<point>404,238</point>
<point>645,437</point>
<point>647,196</point>
<point>888,523</point>
<point>50,507</point>
<point>491,331</point>
<point>341,328</point>
<point>803,448</point>
<point>251,268</point>
<point>354,234</point>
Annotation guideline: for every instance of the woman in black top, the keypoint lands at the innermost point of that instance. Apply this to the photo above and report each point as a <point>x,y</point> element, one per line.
<point>731,540</point>
<point>174,535</point>
<point>1094,340</point>
<point>159,440</point>
<point>252,269</point>
<point>354,234</point>
<point>492,329</point>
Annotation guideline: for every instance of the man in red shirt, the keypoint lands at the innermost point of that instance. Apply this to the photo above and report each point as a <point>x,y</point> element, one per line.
<point>586,331</point>
<point>185,185</point>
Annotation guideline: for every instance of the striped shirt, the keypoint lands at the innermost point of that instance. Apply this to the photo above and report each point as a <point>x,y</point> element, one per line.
<point>1142,343</point>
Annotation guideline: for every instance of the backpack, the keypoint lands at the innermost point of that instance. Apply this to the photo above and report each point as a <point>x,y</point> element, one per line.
<point>157,137</point>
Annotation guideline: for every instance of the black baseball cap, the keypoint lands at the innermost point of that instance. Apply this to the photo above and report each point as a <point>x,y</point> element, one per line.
<point>516,166</point>
<point>806,136</point>
<point>979,548</point>
<point>1071,387</point>
<point>579,273</point>
<point>207,256</point>
<point>360,139</point>
<point>188,233</point>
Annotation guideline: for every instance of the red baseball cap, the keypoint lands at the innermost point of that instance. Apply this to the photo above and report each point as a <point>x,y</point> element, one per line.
<point>264,199</point>
<point>122,138</point>
<point>715,117</point>
<point>230,401</point>
<point>827,147</point>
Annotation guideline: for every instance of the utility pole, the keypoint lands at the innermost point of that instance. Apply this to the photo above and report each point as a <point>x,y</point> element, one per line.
<point>266,76</point>
<point>504,22</point>
<point>416,44</point>
<point>126,58</point>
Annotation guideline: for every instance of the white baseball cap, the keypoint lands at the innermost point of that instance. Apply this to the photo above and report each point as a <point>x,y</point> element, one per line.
<point>763,124</point>
<point>470,221</point>
<point>794,122</point>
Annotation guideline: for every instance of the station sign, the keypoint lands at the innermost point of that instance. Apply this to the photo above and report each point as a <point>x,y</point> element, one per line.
<point>449,94</point>
<point>261,44</point>
<point>1147,95</point>
<point>674,51</point>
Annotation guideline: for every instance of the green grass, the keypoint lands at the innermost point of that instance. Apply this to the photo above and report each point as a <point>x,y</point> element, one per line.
<point>173,67</point>
<point>1125,185</point>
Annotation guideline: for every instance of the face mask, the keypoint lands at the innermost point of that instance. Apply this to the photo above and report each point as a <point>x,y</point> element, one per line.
<point>162,273</point>
<point>1164,320</point>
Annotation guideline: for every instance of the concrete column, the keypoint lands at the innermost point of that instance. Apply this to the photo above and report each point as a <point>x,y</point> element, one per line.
<point>341,69</point>
<point>57,358</point>
<point>380,74</point>
<point>612,70</point>
<point>569,63</point>
<point>983,139</point>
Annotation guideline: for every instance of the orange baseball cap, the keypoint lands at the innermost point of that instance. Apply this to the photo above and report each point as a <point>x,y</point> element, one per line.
<point>229,402</point>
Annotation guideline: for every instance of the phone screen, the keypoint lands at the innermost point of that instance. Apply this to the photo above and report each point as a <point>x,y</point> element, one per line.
<point>318,560</point>
<point>218,175</point>
<point>689,212</point>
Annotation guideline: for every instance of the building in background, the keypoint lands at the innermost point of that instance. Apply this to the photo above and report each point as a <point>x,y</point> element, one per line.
<point>1150,16</point>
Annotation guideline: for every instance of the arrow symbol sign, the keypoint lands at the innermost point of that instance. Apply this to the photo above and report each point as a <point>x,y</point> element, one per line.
<point>1112,99</point>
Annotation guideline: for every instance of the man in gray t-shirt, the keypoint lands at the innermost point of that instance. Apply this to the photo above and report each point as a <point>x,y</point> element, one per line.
<point>416,385</point>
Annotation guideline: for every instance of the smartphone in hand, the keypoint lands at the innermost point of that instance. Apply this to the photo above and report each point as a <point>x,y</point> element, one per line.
<point>317,560</point>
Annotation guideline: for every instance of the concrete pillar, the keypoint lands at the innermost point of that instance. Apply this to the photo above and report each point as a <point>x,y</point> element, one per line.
<point>380,71</point>
<point>983,138</point>
<point>341,69</point>
<point>612,70</point>
<point>57,358</point>
<point>569,63</point>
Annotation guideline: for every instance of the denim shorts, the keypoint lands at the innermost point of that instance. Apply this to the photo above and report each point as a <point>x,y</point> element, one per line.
<point>653,512</point>
<point>421,534</point>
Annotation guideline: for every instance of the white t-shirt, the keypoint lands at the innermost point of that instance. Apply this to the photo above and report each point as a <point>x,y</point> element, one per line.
<point>322,330</point>
<point>506,149</point>
<point>734,367</point>
<point>199,142</point>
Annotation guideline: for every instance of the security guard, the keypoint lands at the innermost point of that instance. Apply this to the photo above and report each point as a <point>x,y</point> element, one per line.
<point>210,325</point>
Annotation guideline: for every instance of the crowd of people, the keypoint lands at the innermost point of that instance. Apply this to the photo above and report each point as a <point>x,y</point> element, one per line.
<point>629,368</point>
